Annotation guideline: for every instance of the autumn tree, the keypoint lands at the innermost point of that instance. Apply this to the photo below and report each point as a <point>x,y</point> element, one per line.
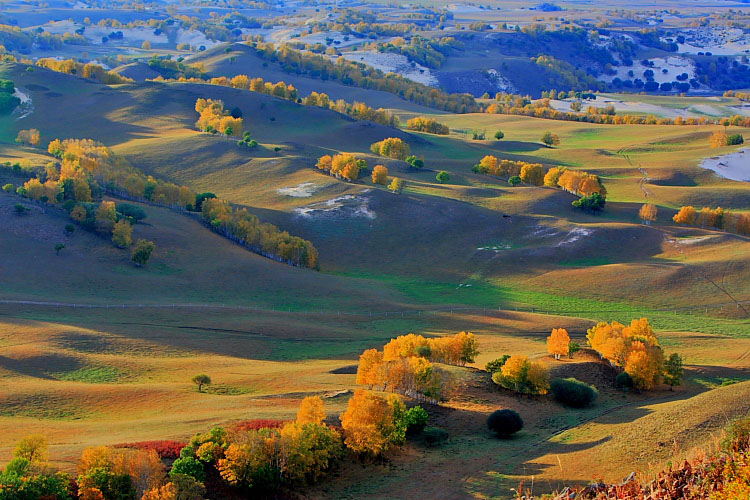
<point>311,411</point>
<point>105,216</point>
<point>122,234</point>
<point>30,137</point>
<point>396,185</point>
<point>32,448</point>
<point>550,139</point>
<point>718,139</point>
<point>141,252</point>
<point>379,175</point>
<point>392,147</point>
<point>532,173</point>
<point>647,213</point>
<point>686,216</point>
<point>672,370</point>
<point>371,423</point>
<point>558,342</point>
<point>369,368</point>
<point>553,175</point>
<point>200,380</point>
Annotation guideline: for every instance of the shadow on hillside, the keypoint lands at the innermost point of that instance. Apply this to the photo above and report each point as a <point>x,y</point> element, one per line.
<point>40,366</point>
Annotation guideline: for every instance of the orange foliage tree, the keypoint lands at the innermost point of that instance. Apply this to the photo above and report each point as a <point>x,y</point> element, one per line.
<point>558,342</point>
<point>371,423</point>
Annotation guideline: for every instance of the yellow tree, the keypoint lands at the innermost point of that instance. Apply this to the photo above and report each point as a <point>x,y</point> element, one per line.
<point>396,185</point>
<point>647,213</point>
<point>718,139</point>
<point>311,411</point>
<point>514,370</point>
<point>537,378</point>
<point>105,216</point>
<point>558,342</point>
<point>122,234</point>
<point>379,175</point>
<point>368,369</point>
<point>686,216</point>
<point>532,173</point>
<point>367,423</point>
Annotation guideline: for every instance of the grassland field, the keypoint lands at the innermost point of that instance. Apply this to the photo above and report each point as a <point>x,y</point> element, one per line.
<point>272,334</point>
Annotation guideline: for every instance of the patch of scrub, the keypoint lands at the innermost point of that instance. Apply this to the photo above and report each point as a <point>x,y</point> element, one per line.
<point>42,406</point>
<point>229,390</point>
<point>574,235</point>
<point>348,205</point>
<point>734,166</point>
<point>304,190</point>
<point>102,374</point>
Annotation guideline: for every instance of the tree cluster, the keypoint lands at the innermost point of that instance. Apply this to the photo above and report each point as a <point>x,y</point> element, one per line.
<point>30,137</point>
<point>633,348</point>
<point>424,124</point>
<point>713,218</point>
<point>392,147</point>
<point>88,71</point>
<point>342,166</point>
<point>262,238</point>
<point>523,376</point>
<point>215,119</point>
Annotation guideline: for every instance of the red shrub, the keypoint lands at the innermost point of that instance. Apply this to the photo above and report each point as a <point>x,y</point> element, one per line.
<point>165,449</point>
<point>258,423</point>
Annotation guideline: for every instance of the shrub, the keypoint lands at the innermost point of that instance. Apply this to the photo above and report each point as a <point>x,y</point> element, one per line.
<point>738,436</point>
<point>592,203</point>
<point>433,436</point>
<point>496,364</point>
<point>163,448</point>
<point>9,188</point>
<point>258,423</point>
<point>499,135</point>
<point>416,419</point>
<point>130,211</point>
<point>573,392</point>
<point>735,139</point>
<point>623,381</point>
<point>514,180</point>
<point>504,423</point>
<point>442,177</point>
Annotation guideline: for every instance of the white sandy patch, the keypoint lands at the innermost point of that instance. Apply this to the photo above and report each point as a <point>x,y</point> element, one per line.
<point>394,63</point>
<point>26,107</point>
<point>346,205</point>
<point>461,8</point>
<point>675,65</point>
<point>574,235</point>
<point>734,166</point>
<point>693,241</point>
<point>304,190</point>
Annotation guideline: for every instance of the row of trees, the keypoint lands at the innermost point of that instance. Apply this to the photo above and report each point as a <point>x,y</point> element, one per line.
<point>635,350</point>
<point>510,104</point>
<point>424,124</point>
<point>215,119</point>
<point>356,110</point>
<point>88,71</point>
<point>359,75</point>
<point>713,218</point>
<point>406,364</point>
<point>343,166</point>
<point>262,238</point>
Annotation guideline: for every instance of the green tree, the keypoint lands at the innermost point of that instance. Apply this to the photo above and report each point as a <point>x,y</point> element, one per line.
<point>673,370</point>
<point>499,135</point>
<point>69,229</point>
<point>442,177</point>
<point>141,252</point>
<point>58,247</point>
<point>550,139</point>
<point>591,203</point>
<point>9,188</point>
<point>20,209</point>
<point>514,181</point>
<point>200,380</point>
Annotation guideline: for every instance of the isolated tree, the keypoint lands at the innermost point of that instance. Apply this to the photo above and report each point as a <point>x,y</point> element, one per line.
<point>442,177</point>
<point>146,45</point>
<point>573,347</point>
<point>32,448</point>
<point>122,234</point>
<point>58,247</point>
<point>141,252</point>
<point>558,342</point>
<point>200,380</point>
<point>647,213</point>
<point>311,411</point>
<point>718,139</point>
<point>550,139</point>
<point>379,175</point>
<point>514,180</point>
<point>672,370</point>
<point>499,135</point>
<point>396,185</point>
